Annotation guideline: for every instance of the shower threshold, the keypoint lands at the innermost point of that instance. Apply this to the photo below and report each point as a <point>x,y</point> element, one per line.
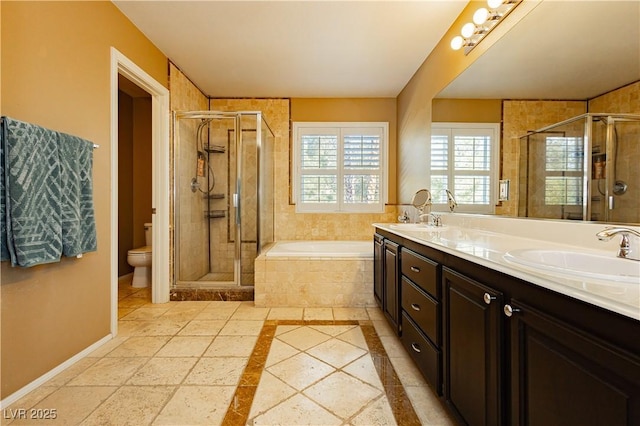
<point>210,291</point>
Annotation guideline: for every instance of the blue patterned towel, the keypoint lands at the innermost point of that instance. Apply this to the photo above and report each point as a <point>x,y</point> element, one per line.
<point>4,250</point>
<point>78,221</point>
<point>32,185</point>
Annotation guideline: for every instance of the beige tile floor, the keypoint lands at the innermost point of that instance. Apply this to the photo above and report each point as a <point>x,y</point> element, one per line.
<point>182,363</point>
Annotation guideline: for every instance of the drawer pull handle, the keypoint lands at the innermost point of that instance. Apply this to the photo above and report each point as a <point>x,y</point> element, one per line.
<point>415,269</point>
<point>415,306</point>
<point>488,298</point>
<point>415,347</point>
<point>509,311</point>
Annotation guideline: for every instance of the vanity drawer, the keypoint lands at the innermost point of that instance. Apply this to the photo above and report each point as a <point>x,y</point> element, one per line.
<point>424,354</point>
<point>422,309</point>
<point>420,270</point>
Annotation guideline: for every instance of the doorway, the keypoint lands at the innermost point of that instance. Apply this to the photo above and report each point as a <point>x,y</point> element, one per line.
<point>123,68</point>
<point>134,183</point>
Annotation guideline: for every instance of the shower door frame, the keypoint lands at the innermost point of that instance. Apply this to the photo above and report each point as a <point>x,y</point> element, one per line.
<point>235,201</point>
<point>611,119</point>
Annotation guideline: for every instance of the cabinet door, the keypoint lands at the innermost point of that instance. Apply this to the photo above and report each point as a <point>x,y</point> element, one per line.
<point>378,269</point>
<point>564,376</point>
<point>391,302</point>
<point>473,352</point>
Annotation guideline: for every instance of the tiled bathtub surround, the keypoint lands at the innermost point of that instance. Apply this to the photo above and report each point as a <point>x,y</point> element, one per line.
<point>313,282</point>
<point>211,363</point>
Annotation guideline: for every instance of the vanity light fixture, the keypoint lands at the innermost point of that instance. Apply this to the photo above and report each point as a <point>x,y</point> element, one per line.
<point>484,20</point>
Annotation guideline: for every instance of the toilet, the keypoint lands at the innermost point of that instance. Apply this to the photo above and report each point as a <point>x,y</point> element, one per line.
<point>140,259</point>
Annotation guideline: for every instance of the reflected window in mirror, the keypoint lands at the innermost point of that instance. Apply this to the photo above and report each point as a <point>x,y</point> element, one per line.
<point>564,158</point>
<point>464,159</point>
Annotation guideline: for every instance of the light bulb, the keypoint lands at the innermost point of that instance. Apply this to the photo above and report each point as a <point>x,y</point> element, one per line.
<point>468,29</point>
<point>481,16</point>
<point>457,42</point>
<point>494,4</point>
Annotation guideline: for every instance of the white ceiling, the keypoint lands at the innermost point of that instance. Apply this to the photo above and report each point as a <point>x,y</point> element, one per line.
<point>295,48</point>
<point>570,49</point>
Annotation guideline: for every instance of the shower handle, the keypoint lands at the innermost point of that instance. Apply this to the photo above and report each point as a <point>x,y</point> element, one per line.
<point>236,205</point>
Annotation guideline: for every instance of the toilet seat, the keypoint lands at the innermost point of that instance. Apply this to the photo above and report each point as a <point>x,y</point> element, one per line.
<point>140,251</point>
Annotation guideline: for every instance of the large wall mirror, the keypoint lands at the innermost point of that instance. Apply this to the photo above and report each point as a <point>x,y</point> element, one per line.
<point>564,59</point>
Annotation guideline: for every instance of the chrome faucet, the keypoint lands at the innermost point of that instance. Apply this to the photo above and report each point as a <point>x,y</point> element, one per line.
<point>451,200</point>
<point>404,217</point>
<point>624,251</point>
<point>436,220</point>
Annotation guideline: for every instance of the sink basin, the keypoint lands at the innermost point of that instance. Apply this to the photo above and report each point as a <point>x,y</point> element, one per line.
<point>579,264</point>
<point>416,227</point>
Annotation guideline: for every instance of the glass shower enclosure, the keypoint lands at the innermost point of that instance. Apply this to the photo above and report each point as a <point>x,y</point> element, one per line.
<point>223,196</point>
<point>584,168</point>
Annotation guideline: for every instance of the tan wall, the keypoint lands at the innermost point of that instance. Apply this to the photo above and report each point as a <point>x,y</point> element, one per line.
<point>357,110</point>
<point>441,67</point>
<point>336,226</point>
<point>466,111</point>
<point>59,78</point>
<point>125,177</point>
<point>142,178</point>
<point>625,100</point>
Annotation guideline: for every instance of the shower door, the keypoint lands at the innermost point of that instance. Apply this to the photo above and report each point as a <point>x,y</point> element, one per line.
<point>221,225</point>
<point>584,168</point>
<point>253,226</point>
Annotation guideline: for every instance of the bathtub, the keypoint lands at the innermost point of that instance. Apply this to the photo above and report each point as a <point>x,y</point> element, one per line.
<point>315,274</point>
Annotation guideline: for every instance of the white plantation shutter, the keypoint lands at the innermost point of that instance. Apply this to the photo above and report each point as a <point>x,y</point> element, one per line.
<point>463,159</point>
<point>564,157</point>
<point>340,167</point>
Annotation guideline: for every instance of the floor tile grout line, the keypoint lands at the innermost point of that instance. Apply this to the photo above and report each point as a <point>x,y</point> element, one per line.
<point>249,380</point>
<point>175,386</point>
<point>401,405</point>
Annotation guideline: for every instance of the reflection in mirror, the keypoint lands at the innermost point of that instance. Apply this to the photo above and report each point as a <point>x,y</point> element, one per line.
<point>561,60</point>
<point>556,169</point>
<point>421,199</point>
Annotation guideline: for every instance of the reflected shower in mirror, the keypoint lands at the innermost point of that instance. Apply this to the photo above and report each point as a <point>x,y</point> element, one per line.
<point>561,60</point>
<point>596,153</point>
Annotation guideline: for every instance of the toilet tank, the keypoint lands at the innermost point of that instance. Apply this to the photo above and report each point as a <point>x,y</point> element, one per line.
<point>148,235</point>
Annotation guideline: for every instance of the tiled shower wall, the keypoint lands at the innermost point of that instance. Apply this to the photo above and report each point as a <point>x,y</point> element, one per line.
<point>289,224</point>
<point>193,226</point>
<point>625,101</point>
<point>519,117</point>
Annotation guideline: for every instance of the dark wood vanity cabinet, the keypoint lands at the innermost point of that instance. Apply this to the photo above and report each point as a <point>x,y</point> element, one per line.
<point>390,303</point>
<point>564,375</point>
<point>378,268</point>
<point>420,308</point>
<point>473,349</point>
<point>502,351</point>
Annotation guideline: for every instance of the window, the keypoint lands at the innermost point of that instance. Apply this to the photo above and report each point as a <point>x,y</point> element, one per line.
<point>464,159</point>
<point>340,167</point>
<point>564,157</point>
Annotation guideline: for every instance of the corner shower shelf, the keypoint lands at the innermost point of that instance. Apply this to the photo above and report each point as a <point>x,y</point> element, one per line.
<point>214,196</point>
<point>212,214</point>
<point>214,149</point>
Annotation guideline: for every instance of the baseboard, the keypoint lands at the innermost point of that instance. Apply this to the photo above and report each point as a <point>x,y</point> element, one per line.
<point>51,373</point>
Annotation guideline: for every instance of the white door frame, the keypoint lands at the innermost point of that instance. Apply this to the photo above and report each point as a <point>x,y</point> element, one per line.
<point>160,179</point>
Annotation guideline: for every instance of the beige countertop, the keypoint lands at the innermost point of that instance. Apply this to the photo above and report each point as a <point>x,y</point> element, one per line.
<point>487,240</point>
